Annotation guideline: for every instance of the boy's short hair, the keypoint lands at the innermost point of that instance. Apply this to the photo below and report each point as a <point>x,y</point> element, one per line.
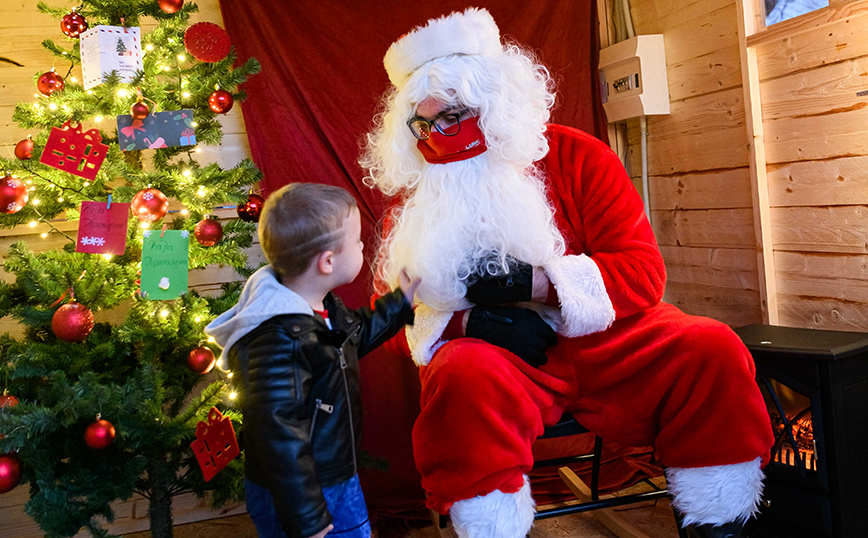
<point>300,221</point>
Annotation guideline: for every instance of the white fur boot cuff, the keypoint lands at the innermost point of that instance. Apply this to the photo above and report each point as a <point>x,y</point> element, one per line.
<point>495,515</point>
<point>718,494</point>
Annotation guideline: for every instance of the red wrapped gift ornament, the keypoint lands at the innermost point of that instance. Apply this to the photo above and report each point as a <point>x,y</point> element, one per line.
<point>71,150</point>
<point>215,445</point>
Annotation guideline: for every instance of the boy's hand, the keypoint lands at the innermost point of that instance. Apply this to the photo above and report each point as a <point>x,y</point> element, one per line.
<point>323,532</point>
<point>407,285</point>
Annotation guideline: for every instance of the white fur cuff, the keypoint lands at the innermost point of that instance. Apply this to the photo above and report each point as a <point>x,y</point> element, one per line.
<point>471,32</point>
<point>423,337</point>
<point>585,305</point>
<point>497,514</point>
<point>718,494</point>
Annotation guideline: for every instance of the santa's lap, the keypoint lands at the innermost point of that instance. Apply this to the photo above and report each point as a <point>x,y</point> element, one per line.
<point>682,384</point>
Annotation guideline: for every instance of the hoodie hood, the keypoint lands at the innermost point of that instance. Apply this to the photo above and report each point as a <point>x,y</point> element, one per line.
<point>262,298</point>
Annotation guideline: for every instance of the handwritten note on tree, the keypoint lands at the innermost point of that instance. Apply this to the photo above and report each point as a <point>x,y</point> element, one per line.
<point>165,263</point>
<point>102,229</point>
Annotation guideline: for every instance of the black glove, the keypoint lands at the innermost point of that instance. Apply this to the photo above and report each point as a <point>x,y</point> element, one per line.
<point>513,287</point>
<point>519,330</point>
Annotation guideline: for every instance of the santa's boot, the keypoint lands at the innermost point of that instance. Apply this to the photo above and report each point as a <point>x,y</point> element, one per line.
<point>728,530</point>
<point>716,501</point>
<point>495,515</point>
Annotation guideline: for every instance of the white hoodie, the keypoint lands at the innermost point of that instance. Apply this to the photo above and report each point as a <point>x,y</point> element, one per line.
<point>262,298</point>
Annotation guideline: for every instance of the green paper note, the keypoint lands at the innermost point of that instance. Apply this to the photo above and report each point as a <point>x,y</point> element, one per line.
<point>165,263</point>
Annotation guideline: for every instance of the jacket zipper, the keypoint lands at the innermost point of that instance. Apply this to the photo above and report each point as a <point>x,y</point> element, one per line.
<point>349,400</point>
<point>349,406</point>
<point>319,405</point>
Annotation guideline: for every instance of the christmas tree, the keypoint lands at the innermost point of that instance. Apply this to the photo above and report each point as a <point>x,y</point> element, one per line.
<point>92,412</point>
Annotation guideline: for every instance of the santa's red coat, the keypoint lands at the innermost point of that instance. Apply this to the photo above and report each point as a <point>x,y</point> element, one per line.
<point>631,369</point>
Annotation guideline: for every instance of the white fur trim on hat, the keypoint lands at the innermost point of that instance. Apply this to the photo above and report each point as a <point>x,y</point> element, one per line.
<point>471,32</point>
<point>585,304</point>
<point>718,494</point>
<point>495,515</point>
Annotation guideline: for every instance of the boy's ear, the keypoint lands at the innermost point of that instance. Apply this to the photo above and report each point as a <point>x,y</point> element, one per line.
<point>325,262</point>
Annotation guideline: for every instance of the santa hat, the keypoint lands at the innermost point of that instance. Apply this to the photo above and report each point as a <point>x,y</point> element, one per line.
<point>471,32</point>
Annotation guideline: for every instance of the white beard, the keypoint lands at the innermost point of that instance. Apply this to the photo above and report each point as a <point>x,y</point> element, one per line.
<point>464,218</point>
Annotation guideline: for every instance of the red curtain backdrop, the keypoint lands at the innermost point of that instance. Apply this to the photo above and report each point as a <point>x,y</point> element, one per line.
<point>321,82</point>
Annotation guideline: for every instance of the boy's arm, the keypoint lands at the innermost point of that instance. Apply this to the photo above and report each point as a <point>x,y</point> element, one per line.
<point>389,315</point>
<point>281,437</point>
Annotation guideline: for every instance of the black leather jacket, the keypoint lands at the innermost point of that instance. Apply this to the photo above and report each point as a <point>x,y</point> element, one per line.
<point>298,384</point>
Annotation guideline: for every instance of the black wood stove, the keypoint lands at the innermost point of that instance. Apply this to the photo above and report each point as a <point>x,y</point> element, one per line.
<point>816,387</point>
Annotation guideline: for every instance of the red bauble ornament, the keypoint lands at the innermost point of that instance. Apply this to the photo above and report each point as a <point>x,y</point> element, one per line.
<point>201,360</point>
<point>73,24</point>
<point>72,322</point>
<point>250,211</point>
<point>139,110</point>
<point>7,400</point>
<point>149,205</point>
<point>100,434</point>
<point>220,101</point>
<point>208,232</point>
<point>170,6</point>
<point>24,149</point>
<point>207,42</point>
<point>10,472</point>
<point>13,195</point>
<point>49,82</point>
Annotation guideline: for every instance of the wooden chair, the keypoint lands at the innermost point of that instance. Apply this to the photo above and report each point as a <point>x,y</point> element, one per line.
<point>589,496</point>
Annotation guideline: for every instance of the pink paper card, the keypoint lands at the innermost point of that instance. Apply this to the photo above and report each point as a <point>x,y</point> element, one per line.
<point>102,229</point>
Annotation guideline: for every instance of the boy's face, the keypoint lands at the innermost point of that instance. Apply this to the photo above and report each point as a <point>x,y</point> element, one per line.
<point>348,262</point>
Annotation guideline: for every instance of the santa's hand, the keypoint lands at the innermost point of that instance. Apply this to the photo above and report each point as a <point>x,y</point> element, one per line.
<point>514,287</point>
<point>408,285</point>
<point>519,330</point>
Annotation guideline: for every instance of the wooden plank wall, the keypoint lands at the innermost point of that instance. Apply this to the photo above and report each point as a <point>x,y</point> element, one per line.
<point>698,161</point>
<point>816,128</point>
<point>22,28</point>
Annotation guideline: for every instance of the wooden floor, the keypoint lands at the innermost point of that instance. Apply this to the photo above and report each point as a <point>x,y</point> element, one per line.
<point>654,519</point>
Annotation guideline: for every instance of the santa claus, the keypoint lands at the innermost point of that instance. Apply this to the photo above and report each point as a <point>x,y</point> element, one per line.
<point>541,289</point>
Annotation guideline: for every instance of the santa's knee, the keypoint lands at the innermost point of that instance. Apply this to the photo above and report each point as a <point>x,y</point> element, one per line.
<point>714,356</point>
<point>464,364</point>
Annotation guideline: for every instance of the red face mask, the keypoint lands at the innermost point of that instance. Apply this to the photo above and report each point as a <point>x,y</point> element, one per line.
<point>439,148</point>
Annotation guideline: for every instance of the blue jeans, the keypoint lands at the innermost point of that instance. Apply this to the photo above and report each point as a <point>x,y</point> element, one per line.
<point>345,503</point>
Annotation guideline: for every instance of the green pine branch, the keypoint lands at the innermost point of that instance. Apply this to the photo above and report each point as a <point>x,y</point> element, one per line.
<point>132,367</point>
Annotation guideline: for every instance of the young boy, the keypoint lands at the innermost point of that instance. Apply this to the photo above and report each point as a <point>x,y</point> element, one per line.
<point>294,348</point>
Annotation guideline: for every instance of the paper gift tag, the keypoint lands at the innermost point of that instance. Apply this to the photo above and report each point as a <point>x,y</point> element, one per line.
<point>109,48</point>
<point>102,229</point>
<point>159,130</point>
<point>165,263</point>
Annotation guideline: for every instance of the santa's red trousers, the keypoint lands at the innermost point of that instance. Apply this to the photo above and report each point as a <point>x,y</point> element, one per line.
<point>682,384</point>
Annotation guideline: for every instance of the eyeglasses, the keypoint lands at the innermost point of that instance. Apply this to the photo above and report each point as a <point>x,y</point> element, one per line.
<point>447,124</point>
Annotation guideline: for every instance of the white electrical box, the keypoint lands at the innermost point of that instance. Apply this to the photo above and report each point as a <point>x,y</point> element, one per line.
<point>633,78</point>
